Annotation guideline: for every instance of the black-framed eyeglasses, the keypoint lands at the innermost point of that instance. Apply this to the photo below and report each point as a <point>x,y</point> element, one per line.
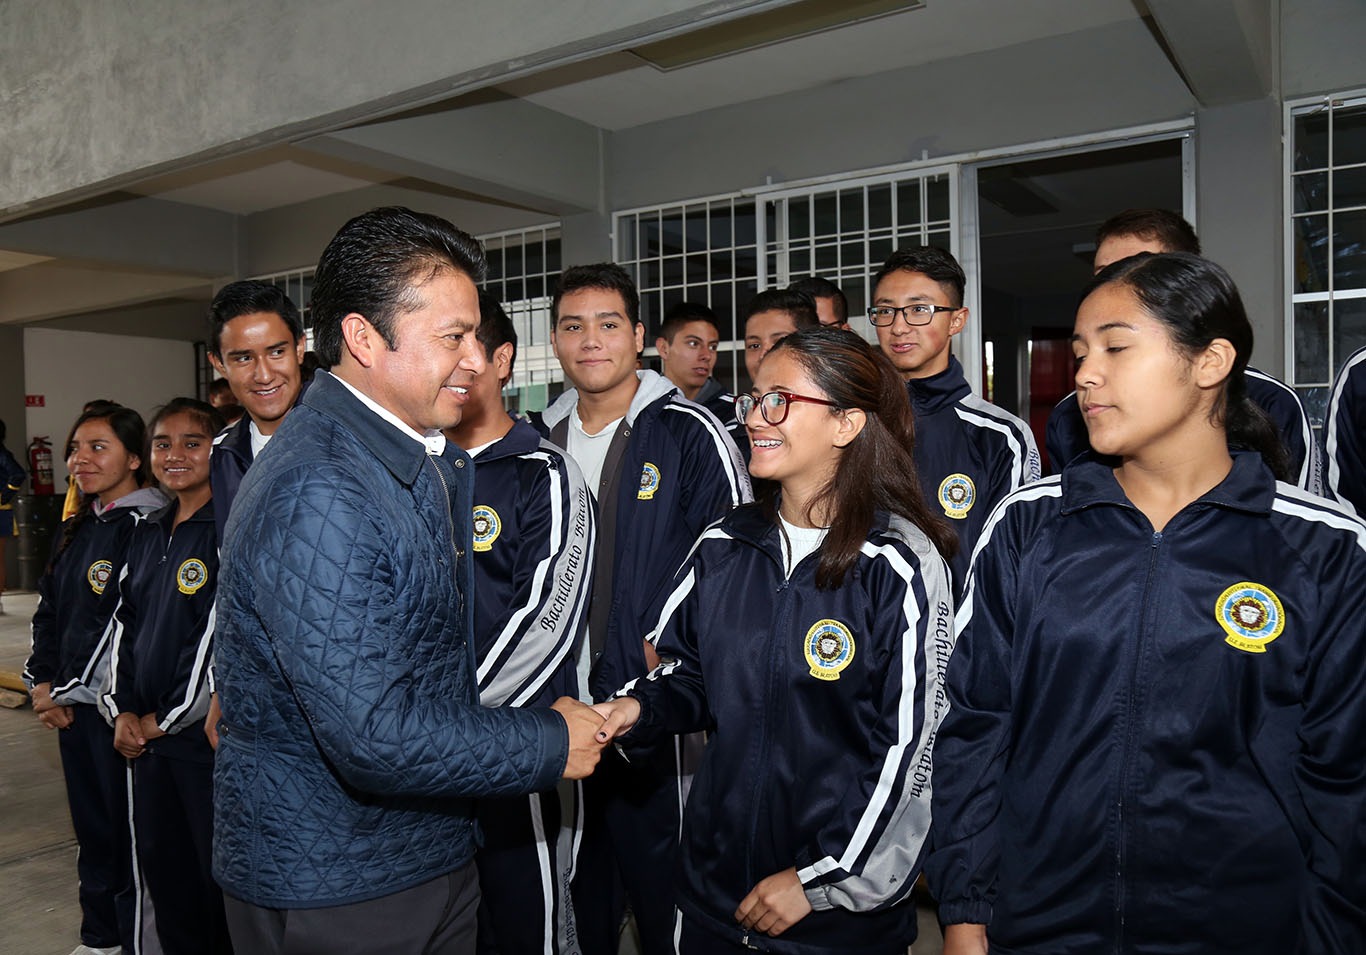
<point>921,313</point>
<point>773,405</point>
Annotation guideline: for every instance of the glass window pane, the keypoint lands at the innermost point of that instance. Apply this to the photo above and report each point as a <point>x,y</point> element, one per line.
<point>673,270</point>
<point>1311,341</point>
<point>1311,141</point>
<point>671,234</point>
<point>746,226</point>
<point>671,297</point>
<point>878,251</point>
<point>851,210</point>
<point>826,221</point>
<point>720,227</point>
<point>723,304</point>
<point>1349,136</point>
<point>697,230</point>
<point>1315,401</point>
<point>697,268</point>
<point>937,199</point>
<point>907,204</point>
<point>1349,187</point>
<point>535,257</point>
<point>851,255</point>
<point>799,261</point>
<point>652,243</point>
<point>721,266</point>
<point>1349,327</point>
<point>827,258</point>
<point>746,263</point>
<point>650,274</point>
<point>1311,191</point>
<point>1311,253</point>
<point>1349,250</point>
<point>880,207</point>
<point>552,255</point>
<point>799,218</point>
<point>940,240</point>
<point>535,286</point>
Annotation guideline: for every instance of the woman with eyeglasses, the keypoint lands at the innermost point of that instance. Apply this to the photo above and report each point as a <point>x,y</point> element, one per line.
<point>808,632</point>
<point>1155,732</point>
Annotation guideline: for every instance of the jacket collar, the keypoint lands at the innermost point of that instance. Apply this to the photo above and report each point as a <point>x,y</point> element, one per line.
<point>1249,486</point>
<point>144,501</point>
<point>166,515</point>
<point>522,439</point>
<point>711,388</point>
<point>236,437</point>
<point>398,452</point>
<point>653,386</point>
<point>938,392</point>
<point>750,524</point>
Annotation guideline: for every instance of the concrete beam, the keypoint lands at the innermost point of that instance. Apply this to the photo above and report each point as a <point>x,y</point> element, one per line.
<point>1225,49</point>
<point>179,319</point>
<point>52,290</point>
<point>93,97</point>
<point>149,234</point>
<point>493,145</point>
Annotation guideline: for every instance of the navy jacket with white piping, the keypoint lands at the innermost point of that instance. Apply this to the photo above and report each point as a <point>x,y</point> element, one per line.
<point>161,633</point>
<point>823,705</point>
<point>1344,434</point>
<point>231,458</point>
<point>1154,740</point>
<point>76,597</point>
<point>679,472</point>
<point>1066,437</point>
<point>970,454</point>
<point>721,403</point>
<point>533,567</point>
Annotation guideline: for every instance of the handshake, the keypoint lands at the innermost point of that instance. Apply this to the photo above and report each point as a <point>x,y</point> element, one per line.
<point>591,728</point>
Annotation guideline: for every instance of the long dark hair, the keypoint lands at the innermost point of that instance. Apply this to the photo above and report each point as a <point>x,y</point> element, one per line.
<point>876,471</point>
<point>131,433</point>
<point>1198,302</point>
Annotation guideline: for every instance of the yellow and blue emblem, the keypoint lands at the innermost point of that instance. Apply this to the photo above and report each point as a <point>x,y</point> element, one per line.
<point>487,526</point>
<point>649,482</point>
<point>191,576</point>
<point>957,494</point>
<point>1251,615</point>
<point>829,648</point>
<point>98,575</point>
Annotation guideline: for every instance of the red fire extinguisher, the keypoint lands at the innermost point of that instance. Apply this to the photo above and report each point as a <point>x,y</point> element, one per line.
<point>40,465</point>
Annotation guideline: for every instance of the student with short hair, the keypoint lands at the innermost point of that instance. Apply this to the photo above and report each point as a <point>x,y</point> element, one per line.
<point>771,315</point>
<point>809,632</point>
<point>1153,736</point>
<point>533,563</point>
<point>687,344</point>
<point>832,305</point>
<point>661,469</point>
<point>969,453</point>
<point>161,638</point>
<point>68,668</point>
<point>1161,230</point>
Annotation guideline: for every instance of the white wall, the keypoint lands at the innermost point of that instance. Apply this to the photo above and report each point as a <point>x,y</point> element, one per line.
<point>71,368</point>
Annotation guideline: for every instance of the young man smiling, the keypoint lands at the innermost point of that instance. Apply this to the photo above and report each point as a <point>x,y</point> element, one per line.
<point>970,453</point>
<point>662,469</point>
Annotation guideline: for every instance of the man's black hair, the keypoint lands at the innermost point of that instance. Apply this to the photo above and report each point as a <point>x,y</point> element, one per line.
<point>495,328</point>
<point>799,305</point>
<point>683,313</point>
<point>601,275</point>
<point>817,287</point>
<point>1162,226</point>
<point>376,265</point>
<point>933,263</point>
<point>247,298</point>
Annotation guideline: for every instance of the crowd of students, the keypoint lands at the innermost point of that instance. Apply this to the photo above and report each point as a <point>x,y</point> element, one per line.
<point>839,628</point>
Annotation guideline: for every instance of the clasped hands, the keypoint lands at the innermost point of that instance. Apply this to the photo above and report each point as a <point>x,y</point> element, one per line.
<point>131,733</point>
<point>591,728</point>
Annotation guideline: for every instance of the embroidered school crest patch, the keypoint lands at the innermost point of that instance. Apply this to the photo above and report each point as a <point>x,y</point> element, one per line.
<point>829,648</point>
<point>1251,615</point>
<point>957,494</point>
<point>487,526</point>
<point>649,482</point>
<point>98,575</point>
<point>191,576</point>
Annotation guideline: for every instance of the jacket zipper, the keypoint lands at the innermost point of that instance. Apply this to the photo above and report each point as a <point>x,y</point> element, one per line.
<point>1131,718</point>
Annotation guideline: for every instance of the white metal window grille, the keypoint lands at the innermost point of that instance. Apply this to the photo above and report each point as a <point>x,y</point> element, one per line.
<point>844,231</point>
<point>524,265</point>
<point>298,285</point>
<point>1326,242</point>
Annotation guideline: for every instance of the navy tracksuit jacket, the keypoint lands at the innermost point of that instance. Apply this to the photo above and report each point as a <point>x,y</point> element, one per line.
<point>823,705</point>
<point>1155,740</point>
<point>1344,435</point>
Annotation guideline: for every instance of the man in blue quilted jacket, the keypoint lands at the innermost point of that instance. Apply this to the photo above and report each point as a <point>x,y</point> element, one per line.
<point>352,741</point>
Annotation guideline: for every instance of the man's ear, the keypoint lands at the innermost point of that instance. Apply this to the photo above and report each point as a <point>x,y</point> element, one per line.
<point>851,424</point>
<point>217,365</point>
<point>361,339</point>
<point>662,346</point>
<point>640,337</point>
<point>958,320</point>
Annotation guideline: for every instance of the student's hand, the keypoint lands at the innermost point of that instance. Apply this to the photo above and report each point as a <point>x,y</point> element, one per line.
<point>965,939</point>
<point>128,738</point>
<point>775,904</point>
<point>211,721</point>
<point>150,728</point>
<point>584,746</point>
<point>618,717</point>
<point>50,713</point>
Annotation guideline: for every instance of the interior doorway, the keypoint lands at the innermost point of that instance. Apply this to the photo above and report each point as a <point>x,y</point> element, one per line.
<point>1037,223</point>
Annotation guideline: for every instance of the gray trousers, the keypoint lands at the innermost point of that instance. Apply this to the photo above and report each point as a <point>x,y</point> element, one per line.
<point>434,918</point>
